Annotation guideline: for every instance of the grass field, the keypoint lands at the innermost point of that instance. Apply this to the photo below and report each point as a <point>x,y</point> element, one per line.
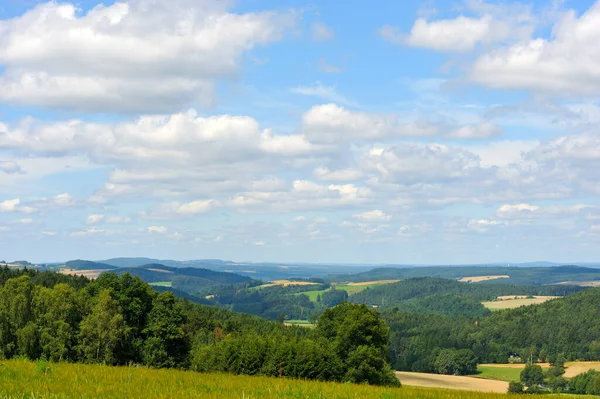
<point>504,371</point>
<point>351,288</point>
<point>21,379</point>
<point>492,372</point>
<point>162,284</point>
<point>512,303</point>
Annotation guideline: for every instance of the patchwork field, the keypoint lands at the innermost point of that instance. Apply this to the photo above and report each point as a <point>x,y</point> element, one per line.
<point>477,279</point>
<point>594,283</point>
<point>509,370</point>
<point>21,379</point>
<point>351,288</point>
<point>451,382</point>
<point>86,273</point>
<point>516,301</point>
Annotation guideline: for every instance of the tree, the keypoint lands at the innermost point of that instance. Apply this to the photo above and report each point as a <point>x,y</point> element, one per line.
<point>532,375</point>
<point>457,362</point>
<point>102,331</point>
<point>167,344</point>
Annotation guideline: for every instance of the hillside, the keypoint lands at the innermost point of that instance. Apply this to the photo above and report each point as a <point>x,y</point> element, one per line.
<point>517,275</point>
<point>87,265</point>
<point>568,326</point>
<point>62,380</point>
<point>432,295</point>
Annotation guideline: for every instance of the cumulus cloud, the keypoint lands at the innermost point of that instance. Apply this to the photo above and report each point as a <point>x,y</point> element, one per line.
<point>51,53</point>
<point>564,65</point>
<point>339,175</point>
<point>484,130</point>
<point>492,23</point>
<point>327,93</point>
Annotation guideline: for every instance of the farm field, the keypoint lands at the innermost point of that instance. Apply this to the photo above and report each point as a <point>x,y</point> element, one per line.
<point>594,283</point>
<point>301,323</point>
<point>477,279</point>
<point>451,382</point>
<point>162,284</point>
<point>509,302</point>
<point>86,273</point>
<point>351,288</point>
<point>22,379</point>
<point>571,369</point>
<point>492,372</point>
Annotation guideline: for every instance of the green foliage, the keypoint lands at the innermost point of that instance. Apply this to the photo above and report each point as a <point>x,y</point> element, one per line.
<point>456,362</point>
<point>532,375</point>
<point>515,387</point>
<point>587,383</point>
<point>42,367</point>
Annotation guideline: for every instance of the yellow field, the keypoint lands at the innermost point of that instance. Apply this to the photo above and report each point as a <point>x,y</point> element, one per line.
<point>509,302</point>
<point>477,279</point>
<point>86,273</point>
<point>362,283</point>
<point>21,379</point>
<point>451,382</point>
<point>571,368</point>
<point>287,283</point>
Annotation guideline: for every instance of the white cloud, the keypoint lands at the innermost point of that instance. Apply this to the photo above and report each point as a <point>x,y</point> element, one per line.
<point>564,65</point>
<point>9,205</point>
<point>321,32</point>
<point>372,216</point>
<point>483,130</point>
<point>327,93</point>
<point>340,175</point>
<point>483,225</point>
<point>49,233</point>
<point>64,199</point>
<point>26,221</point>
<point>90,231</point>
<point>95,218</point>
<point>118,220</point>
<point>196,207</point>
<point>50,54</point>
<point>157,229</point>
<point>324,66</point>
<point>260,243</point>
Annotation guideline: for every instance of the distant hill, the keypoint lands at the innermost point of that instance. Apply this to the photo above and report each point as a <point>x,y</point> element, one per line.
<point>87,265</point>
<point>517,275</point>
<point>129,262</point>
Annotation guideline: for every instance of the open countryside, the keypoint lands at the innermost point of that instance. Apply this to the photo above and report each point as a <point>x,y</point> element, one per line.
<point>461,383</point>
<point>512,302</point>
<point>478,279</point>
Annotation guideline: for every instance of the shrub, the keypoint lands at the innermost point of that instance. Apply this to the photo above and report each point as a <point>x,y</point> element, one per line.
<point>515,387</point>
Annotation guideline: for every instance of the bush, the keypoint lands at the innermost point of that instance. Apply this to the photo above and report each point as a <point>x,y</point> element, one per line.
<point>515,387</point>
<point>42,366</point>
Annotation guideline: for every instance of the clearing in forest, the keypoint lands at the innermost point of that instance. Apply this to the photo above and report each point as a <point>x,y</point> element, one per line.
<point>516,301</point>
<point>91,274</point>
<point>451,382</point>
<point>477,279</point>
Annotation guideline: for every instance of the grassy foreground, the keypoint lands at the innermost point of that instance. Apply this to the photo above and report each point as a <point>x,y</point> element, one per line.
<point>22,379</point>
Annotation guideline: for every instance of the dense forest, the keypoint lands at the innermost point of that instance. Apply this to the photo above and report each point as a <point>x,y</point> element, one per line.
<point>431,295</point>
<point>120,320</point>
<point>569,326</point>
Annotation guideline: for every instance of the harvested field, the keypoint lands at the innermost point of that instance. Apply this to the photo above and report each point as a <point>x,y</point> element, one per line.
<point>377,282</point>
<point>86,273</point>
<point>509,302</point>
<point>160,270</point>
<point>451,382</point>
<point>287,283</point>
<point>477,279</point>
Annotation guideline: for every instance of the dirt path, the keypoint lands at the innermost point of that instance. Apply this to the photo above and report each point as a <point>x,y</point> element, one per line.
<point>451,382</point>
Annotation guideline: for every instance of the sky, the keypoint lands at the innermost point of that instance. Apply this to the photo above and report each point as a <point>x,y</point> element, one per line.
<point>420,132</point>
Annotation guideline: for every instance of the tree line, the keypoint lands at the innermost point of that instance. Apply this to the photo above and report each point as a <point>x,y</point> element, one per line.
<point>119,320</point>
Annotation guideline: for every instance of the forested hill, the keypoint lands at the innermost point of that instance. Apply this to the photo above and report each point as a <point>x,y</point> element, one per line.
<point>570,326</point>
<point>517,275</point>
<point>118,320</point>
<point>183,275</point>
<point>393,294</point>
<point>87,265</point>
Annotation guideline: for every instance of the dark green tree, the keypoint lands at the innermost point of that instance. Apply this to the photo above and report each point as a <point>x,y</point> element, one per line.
<point>532,375</point>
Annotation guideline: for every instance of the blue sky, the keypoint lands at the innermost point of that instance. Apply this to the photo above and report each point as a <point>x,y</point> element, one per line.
<point>394,132</point>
